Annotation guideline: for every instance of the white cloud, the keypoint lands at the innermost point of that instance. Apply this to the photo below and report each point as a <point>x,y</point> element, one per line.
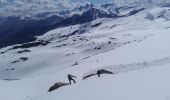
<point>32,6</point>
<point>3,1</point>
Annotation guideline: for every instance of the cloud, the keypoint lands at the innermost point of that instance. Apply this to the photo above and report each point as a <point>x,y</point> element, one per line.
<point>15,7</point>
<point>3,1</point>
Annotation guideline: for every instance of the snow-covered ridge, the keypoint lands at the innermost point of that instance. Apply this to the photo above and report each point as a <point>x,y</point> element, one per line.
<point>148,14</point>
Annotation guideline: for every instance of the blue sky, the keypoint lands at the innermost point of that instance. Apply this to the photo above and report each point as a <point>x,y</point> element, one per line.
<point>14,7</point>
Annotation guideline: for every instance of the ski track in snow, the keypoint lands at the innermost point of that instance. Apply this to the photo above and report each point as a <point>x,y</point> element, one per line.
<point>134,66</point>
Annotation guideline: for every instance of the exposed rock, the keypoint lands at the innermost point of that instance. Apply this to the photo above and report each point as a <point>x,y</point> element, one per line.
<point>16,61</point>
<point>76,63</point>
<point>31,44</point>
<point>103,71</point>
<point>57,85</point>
<point>27,45</point>
<point>22,51</point>
<point>71,34</point>
<point>98,47</point>
<point>109,42</point>
<point>95,25</point>
<point>20,59</point>
<point>24,58</point>
<point>89,75</point>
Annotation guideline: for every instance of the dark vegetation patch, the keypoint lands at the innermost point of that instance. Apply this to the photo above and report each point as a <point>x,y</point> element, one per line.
<point>103,71</point>
<point>57,85</point>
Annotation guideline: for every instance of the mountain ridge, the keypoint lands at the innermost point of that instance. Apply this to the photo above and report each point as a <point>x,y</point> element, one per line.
<point>24,28</point>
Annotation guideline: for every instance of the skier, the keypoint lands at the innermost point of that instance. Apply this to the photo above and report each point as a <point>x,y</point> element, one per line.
<point>70,78</point>
<point>99,72</point>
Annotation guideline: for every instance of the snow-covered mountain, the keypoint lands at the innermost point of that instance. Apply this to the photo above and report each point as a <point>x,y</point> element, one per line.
<point>29,26</point>
<point>131,42</point>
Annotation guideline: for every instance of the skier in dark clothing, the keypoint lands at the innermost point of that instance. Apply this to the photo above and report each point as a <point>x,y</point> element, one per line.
<point>70,78</point>
<point>99,72</point>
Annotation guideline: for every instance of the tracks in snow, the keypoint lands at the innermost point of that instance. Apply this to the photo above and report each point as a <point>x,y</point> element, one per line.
<point>134,66</point>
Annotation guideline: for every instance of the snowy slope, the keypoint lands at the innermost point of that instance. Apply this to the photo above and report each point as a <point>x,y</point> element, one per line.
<point>120,45</point>
<point>147,84</point>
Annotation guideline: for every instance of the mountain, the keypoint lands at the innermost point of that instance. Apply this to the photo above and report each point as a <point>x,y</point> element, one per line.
<point>20,29</point>
<point>128,45</point>
<point>15,30</point>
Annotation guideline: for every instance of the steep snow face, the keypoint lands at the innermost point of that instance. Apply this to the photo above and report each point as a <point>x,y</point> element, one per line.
<point>118,45</point>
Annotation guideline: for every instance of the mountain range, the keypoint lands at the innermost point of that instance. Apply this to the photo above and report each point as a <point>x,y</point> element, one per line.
<point>21,29</point>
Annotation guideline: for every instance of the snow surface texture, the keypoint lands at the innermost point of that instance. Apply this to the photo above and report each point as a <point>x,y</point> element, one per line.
<point>118,45</point>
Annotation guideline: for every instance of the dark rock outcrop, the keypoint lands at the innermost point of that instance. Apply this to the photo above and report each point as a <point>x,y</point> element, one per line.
<point>103,71</point>
<point>57,85</point>
<point>22,59</point>
<point>23,51</point>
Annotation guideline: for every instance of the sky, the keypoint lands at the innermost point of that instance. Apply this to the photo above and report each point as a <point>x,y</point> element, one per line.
<point>14,7</point>
<point>23,7</point>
